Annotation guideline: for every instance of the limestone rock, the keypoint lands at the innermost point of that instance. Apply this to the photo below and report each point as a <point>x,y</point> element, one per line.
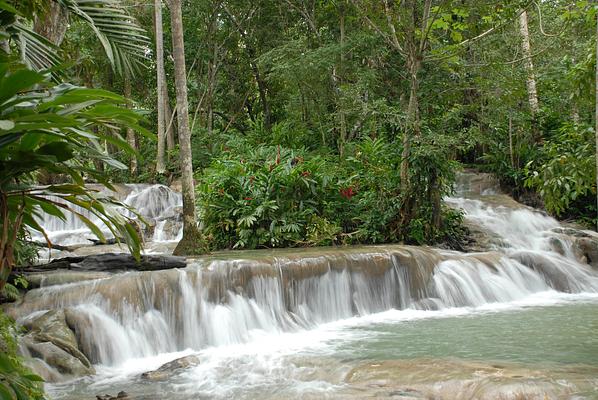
<point>41,368</point>
<point>51,340</point>
<point>62,276</point>
<point>56,357</point>
<point>170,368</point>
<point>589,248</point>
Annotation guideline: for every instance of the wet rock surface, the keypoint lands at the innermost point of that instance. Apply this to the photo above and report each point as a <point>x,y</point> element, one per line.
<point>109,262</point>
<point>122,395</point>
<point>50,339</point>
<point>440,379</point>
<point>584,244</point>
<point>171,368</point>
<point>62,277</point>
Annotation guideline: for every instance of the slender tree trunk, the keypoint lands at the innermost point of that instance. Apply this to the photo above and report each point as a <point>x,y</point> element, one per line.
<point>162,116</point>
<point>261,85</point>
<point>532,92</point>
<point>413,128</point>
<point>52,24</point>
<point>131,139</point>
<point>511,141</point>
<point>212,71</point>
<point>171,135</point>
<point>343,119</point>
<point>190,243</point>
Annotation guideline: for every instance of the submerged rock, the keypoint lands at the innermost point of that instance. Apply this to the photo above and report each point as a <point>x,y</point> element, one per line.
<point>170,368</point>
<point>122,395</point>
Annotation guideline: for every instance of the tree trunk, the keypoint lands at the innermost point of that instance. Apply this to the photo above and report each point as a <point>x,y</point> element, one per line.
<point>53,24</point>
<point>511,155</point>
<point>261,85</point>
<point>413,128</point>
<point>190,244</point>
<point>131,139</point>
<point>212,70</point>
<point>162,117</point>
<point>171,135</point>
<point>532,93</point>
<point>343,119</point>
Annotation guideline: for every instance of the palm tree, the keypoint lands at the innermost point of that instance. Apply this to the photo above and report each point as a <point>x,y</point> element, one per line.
<point>123,40</point>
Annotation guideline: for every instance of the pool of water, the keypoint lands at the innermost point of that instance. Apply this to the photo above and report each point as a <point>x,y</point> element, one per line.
<point>542,347</point>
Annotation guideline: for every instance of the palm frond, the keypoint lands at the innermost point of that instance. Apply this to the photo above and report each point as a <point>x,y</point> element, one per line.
<point>123,40</point>
<point>36,51</point>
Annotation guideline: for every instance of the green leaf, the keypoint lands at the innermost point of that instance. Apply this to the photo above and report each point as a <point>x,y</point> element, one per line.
<point>7,7</point>
<point>18,81</point>
<point>5,393</point>
<point>34,378</point>
<point>6,124</point>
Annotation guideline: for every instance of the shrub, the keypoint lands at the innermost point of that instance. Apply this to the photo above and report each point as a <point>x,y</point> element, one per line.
<point>266,198</point>
<point>16,381</point>
<point>270,196</point>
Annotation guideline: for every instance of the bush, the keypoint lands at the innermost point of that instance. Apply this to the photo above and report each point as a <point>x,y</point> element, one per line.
<point>270,196</point>
<point>16,381</point>
<point>266,198</point>
<point>565,173</point>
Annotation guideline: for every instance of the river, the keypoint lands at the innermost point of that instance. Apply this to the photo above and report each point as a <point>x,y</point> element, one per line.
<point>518,321</point>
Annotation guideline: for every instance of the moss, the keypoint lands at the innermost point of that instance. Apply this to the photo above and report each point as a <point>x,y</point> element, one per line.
<point>193,243</point>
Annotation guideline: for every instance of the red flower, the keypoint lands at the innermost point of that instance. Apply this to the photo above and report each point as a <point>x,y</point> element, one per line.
<point>306,173</point>
<point>347,193</point>
<point>248,198</point>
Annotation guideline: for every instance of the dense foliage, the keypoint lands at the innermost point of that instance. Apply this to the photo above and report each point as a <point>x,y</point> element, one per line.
<point>425,84</point>
<point>255,196</point>
<point>16,381</point>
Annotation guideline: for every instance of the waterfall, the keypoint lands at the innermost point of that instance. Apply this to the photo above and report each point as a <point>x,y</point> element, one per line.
<point>159,205</point>
<point>229,298</point>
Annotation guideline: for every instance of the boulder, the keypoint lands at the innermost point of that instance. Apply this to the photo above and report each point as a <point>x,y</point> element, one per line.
<point>585,244</point>
<point>170,229</point>
<point>589,248</point>
<point>51,324</point>
<point>170,368</point>
<point>51,340</point>
<point>57,358</point>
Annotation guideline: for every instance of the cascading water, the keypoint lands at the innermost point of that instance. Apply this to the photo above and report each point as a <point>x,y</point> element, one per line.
<point>159,205</point>
<point>227,306</point>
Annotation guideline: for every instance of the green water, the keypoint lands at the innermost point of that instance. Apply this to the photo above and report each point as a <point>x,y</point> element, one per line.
<point>565,333</point>
<point>540,352</point>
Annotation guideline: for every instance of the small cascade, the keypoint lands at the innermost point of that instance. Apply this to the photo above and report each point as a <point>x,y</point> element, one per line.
<point>230,299</point>
<point>159,206</point>
<point>216,302</point>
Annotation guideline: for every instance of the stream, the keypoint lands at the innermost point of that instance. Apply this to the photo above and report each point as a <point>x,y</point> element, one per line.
<point>516,321</point>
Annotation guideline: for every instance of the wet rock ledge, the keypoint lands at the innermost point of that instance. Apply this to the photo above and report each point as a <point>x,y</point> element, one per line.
<point>97,266</point>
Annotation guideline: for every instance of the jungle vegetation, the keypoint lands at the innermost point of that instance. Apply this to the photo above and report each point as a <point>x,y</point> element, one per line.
<point>290,122</point>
